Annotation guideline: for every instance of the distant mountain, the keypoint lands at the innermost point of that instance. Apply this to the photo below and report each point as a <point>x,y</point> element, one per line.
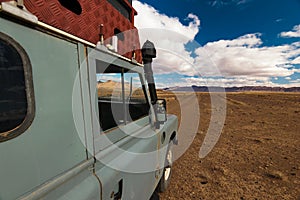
<point>233,89</point>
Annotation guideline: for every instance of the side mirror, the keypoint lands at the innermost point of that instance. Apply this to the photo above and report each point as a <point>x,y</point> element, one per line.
<point>161,111</point>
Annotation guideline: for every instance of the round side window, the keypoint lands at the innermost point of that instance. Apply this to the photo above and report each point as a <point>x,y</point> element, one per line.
<point>16,89</point>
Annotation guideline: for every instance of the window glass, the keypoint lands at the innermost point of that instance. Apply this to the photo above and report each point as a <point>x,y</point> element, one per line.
<point>121,99</point>
<point>13,88</point>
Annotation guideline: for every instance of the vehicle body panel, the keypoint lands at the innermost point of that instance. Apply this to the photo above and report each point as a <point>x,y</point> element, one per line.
<point>40,153</point>
<point>64,154</point>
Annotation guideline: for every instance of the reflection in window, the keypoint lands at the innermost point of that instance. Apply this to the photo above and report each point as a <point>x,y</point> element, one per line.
<point>121,99</point>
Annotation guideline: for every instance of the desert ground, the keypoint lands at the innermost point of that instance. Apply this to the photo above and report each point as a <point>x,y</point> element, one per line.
<point>256,157</point>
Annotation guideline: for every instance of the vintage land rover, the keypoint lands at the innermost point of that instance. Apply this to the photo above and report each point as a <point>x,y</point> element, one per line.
<point>79,114</point>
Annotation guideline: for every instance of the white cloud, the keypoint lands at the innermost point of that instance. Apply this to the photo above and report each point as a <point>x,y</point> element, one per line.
<point>149,17</point>
<point>242,1</point>
<point>296,60</point>
<point>244,56</point>
<point>243,60</point>
<point>225,82</point>
<point>169,36</point>
<point>297,82</point>
<point>294,33</point>
<point>220,3</point>
<point>231,82</point>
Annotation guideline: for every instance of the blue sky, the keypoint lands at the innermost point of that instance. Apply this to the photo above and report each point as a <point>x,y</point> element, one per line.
<point>223,42</point>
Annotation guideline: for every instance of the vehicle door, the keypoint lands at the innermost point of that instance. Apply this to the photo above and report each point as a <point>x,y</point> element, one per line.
<point>125,142</point>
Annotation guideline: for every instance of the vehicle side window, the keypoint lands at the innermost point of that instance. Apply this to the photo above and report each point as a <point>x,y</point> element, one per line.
<point>16,90</point>
<point>121,98</point>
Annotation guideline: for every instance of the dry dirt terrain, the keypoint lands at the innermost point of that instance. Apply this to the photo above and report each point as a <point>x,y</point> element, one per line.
<point>256,157</point>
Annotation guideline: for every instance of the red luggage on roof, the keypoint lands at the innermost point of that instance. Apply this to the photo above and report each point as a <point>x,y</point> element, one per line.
<point>83,19</point>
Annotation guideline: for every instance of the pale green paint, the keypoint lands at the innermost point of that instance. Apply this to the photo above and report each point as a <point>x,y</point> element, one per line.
<point>51,145</point>
<point>51,148</point>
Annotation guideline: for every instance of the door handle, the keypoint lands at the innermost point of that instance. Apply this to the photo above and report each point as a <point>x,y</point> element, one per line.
<point>118,195</point>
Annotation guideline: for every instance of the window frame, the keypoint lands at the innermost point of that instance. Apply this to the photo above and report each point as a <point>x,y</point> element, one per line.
<point>29,90</point>
<point>99,59</point>
<point>125,108</point>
